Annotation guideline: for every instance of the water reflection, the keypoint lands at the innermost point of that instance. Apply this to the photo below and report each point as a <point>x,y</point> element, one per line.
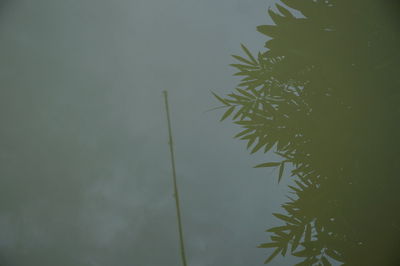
<point>324,96</point>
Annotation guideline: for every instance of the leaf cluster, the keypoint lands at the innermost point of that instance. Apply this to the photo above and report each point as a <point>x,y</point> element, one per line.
<point>324,97</point>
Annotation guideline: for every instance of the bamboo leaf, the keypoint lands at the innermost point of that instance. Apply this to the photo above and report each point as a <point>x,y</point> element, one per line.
<point>251,141</point>
<point>285,218</point>
<point>246,93</point>
<point>285,237</point>
<point>273,255</point>
<point>248,54</point>
<point>220,99</point>
<point>307,236</point>
<point>215,108</point>
<point>281,168</point>
<point>270,164</point>
<point>241,59</point>
<point>325,261</point>
<point>245,122</point>
<point>284,11</point>
<point>242,73</point>
<point>300,185</point>
<point>269,245</point>
<point>227,113</point>
<point>303,253</point>
<point>284,250</point>
<point>239,97</point>
<point>278,228</point>
<point>268,147</point>
<point>269,30</point>
<point>241,67</point>
<point>242,111</point>
<point>297,237</point>
<point>276,18</point>
<point>295,189</point>
<point>259,145</point>
<point>244,132</point>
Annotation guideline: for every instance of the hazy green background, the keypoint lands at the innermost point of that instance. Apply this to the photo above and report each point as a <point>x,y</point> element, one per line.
<point>84,164</point>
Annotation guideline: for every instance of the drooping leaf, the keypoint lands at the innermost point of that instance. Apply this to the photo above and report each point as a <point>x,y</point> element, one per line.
<point>269,146</point>
<point>297,237</point>
<point>259,145</point>
<point>273,255</point>
<point>281,169</point>
<point>240,112</point>
<point>251,141</point>
<point>227,113</point>
<point>220,99</point>
<point>244,132</point>
<point>284,250</point>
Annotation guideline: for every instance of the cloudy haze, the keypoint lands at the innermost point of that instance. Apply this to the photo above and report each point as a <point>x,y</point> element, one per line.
<point>84,160</point>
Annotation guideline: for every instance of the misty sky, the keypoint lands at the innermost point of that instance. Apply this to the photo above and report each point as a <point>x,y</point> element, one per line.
<point>85,175</point>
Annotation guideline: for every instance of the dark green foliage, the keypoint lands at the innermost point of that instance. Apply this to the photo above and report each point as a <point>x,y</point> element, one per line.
<point>325,97</point>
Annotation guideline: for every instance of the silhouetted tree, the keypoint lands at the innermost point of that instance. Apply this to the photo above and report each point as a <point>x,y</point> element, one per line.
<point>325,97</point>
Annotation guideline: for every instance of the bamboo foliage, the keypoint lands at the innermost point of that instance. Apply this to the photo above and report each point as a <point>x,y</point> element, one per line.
<point>323,97</point>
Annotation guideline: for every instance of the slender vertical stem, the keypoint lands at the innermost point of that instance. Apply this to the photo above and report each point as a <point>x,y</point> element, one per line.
<point>176,194</point>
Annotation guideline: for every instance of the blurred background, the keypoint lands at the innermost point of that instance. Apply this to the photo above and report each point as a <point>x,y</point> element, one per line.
<point>85,173</point>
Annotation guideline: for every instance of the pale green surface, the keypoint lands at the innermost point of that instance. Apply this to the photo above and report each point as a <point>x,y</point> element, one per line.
<point>84,166</point>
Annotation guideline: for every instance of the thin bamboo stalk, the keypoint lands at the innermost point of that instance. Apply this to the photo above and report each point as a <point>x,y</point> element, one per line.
<point>176,194</point>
